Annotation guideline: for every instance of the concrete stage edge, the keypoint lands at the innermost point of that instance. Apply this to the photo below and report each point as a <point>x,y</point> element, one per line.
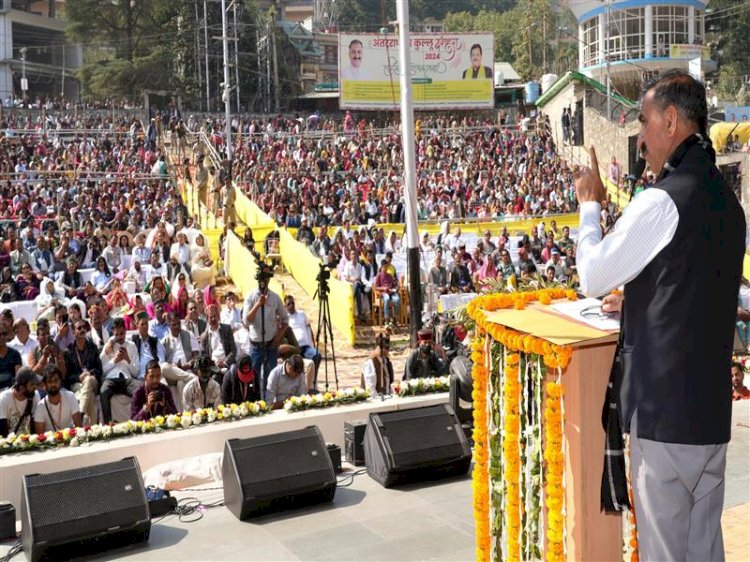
<point>154,449</point>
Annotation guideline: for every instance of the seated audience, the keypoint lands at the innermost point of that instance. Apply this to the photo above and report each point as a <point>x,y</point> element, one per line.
<point>428,360</point>
<point>218,342</point>
<point>120,365</point>
<point>83,370</point>
<point>59,408</point>
<point>202,391</point>
<point>18,402</point>
<point>377,373</point>
<point>739,390</point>
<point>240,384</point>
<point>152,398</point>
<point>10,359</point>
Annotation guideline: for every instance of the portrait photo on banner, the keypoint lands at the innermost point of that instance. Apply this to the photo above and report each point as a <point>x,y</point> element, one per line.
<point>447,70</point>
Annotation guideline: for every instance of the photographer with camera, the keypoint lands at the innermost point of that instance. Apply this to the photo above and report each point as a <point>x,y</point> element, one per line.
<point>428,360</point>
<point>152,398</point>
<point>266,320</point>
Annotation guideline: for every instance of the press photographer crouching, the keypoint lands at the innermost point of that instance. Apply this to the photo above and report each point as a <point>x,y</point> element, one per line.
<point>266,320</point>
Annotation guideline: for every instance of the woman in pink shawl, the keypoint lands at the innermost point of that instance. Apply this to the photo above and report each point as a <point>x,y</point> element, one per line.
<point>209,296</point>
<point>488,270</point>
<point>180,306</point>
<point>135,309</point>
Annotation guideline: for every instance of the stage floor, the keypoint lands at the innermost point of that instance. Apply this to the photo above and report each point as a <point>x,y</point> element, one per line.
<point>428,521</point>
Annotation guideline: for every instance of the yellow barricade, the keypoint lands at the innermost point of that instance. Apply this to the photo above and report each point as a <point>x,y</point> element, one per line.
<point>514,226</point>
<point>211,227</point>
<point>341,300</point>
<point>241,268</point>
<point>304,267</point>
<point>299,262</point>
<point>248,212</point>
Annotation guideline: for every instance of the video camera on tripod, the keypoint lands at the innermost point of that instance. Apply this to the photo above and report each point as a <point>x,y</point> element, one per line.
<point>324,274</point>
<point>263,272</point>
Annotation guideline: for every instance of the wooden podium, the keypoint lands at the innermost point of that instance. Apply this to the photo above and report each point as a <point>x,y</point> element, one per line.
<point>590,534</point>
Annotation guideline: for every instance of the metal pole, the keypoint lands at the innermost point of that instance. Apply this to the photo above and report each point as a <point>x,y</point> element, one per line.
<point>197,54</point>
<point>227,102</point>
<point>268,66</point>
<point>276,88</point>
<point>24,83</point>
<point>226,89</point>
<point>259,87</point>
<point>609,74</point>
<point>62,89</point>
<point>410,172</point>
<point>236,59</point>
<point>205,44</point>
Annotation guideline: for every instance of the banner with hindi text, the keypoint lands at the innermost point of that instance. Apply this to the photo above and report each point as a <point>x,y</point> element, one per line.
<point>448,71</point>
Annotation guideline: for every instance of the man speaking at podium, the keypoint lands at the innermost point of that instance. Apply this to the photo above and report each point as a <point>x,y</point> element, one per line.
<point>678,250</point>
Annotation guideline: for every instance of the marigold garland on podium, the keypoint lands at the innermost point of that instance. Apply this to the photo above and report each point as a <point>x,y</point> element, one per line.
<point>539,386</point>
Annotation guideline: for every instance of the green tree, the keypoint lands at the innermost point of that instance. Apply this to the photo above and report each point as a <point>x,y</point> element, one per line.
<point>128,34</point>
<point>136,45</point>
<point>727,27</point>
<point>532,43</point>
<point>503,25</point>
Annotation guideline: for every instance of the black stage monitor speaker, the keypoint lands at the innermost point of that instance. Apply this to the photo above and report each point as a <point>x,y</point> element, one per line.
<point>275,472</point>
<point>354,436</point>
<point>93,508</point>
<point>413,445</point>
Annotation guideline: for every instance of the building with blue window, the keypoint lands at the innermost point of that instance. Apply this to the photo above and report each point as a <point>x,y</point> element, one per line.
<point>644,37</point>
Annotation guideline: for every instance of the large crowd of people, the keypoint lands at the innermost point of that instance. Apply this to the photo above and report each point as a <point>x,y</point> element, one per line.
<point>462,172</point>
<point>108,286</point>
<point>95,243</point>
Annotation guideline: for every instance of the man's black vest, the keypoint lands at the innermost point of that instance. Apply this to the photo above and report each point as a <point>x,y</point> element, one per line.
<point>680,311</point>
<point>152,343</point>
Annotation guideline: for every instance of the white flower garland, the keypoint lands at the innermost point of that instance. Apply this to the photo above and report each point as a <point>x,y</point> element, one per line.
<point>77,436</point>
<point>326,400</point>
<point>427,385</point>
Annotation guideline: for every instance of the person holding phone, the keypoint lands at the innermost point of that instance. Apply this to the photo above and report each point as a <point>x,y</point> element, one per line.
<point>152,398</point>
<point>120,367</point>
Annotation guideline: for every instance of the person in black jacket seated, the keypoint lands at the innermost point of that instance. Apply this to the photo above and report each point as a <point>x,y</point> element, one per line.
<point>425,361</point>
<point>83,368</point>
<point>240,383</point>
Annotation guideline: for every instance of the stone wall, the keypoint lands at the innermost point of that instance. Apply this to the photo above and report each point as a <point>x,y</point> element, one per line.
<point>608,138</point>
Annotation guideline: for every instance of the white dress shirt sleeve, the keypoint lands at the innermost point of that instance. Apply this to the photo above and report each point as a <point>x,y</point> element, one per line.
<point>645,228</point>
<point>370,376</point>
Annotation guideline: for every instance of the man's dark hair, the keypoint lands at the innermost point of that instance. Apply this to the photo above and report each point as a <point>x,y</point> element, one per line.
<point>52,370</point>
<point>678,88</point>
<point>42,322</point>
<point>355,42</point>
<point>172,316</point>
<point>476,46</point>
<point>153,364</point>
<point>736,365</point>
<point>117,323</point>
<point>74,306</point>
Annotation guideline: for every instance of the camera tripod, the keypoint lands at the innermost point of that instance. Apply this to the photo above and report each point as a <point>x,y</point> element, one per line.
<point>324,323</point>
